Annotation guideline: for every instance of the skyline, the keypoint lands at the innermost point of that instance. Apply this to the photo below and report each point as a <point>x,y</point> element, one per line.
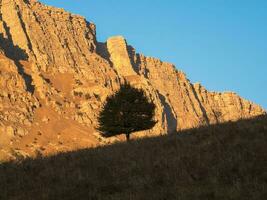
<point>220,44</point>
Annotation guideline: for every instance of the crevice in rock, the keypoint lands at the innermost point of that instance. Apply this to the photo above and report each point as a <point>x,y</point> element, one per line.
<point>25,32</point>
<point>16,54</point>
<point>102,51</point>
<point>215,115</point>
<point>142,71</point>
<point>135,63</point>
<point>191,101</point>
<point>200,105</point>
<point>167,110</point>
<point>26,1</point>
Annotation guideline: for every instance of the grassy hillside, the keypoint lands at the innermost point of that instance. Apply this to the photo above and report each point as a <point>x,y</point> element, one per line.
<point>226,161</point>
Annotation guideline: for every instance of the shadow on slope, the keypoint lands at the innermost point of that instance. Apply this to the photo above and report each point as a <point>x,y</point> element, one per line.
<point>226,161</point>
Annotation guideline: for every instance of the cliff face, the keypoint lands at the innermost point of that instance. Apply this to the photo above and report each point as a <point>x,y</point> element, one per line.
<point>55,76</point>
<point>190,105</point>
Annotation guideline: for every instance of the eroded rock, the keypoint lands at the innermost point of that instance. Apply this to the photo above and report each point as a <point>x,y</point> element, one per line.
<point>55,77</point>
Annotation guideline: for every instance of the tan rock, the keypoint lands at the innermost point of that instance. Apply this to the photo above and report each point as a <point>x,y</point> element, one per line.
<point>52,69</point>
<point>21,132</point>
<point>117,48</point>
<point>10,131</point>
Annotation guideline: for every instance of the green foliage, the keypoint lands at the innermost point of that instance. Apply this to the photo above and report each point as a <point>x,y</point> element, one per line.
<point>128,110</point>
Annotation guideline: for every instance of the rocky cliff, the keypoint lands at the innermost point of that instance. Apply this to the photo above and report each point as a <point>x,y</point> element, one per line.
<point>55,76</point>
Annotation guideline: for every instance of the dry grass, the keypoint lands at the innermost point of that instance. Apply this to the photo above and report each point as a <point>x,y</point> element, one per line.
<point>226,161</point>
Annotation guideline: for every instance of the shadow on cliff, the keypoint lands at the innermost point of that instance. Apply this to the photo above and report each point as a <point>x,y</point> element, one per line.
<point>171,119</point>
<point>102,50</point>
<point>135,60</point>
<point>226,161</point>
<point>16,54</point>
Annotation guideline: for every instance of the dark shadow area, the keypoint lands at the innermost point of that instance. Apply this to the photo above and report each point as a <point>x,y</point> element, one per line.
<point>225,161</point>
<point>102,51</point>
<point>27,1</point>
<point>134,59</point>
<point>171,120</point>
<point>201,106</point>
<point>16,54</point>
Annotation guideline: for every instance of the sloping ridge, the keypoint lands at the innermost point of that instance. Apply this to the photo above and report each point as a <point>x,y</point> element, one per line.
<point>66,75</point>
<point>194,164</point>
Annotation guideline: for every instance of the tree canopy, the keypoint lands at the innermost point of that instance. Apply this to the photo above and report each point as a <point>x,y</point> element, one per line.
<point>126,111</point>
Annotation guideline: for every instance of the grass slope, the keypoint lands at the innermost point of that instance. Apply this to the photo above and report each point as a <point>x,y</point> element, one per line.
<point>226,161</point>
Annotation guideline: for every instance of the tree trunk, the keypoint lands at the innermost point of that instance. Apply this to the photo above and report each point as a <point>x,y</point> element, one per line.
<point>127,136</point>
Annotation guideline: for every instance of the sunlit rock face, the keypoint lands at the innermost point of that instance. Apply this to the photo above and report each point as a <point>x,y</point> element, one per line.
<point>55,76</point>
<point>191,105</point>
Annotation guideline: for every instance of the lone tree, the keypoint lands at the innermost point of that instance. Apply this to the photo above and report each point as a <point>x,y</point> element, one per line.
<point>126,111</point>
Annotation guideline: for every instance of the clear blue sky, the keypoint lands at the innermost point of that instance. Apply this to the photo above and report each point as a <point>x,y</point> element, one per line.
<point>220,43</point>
